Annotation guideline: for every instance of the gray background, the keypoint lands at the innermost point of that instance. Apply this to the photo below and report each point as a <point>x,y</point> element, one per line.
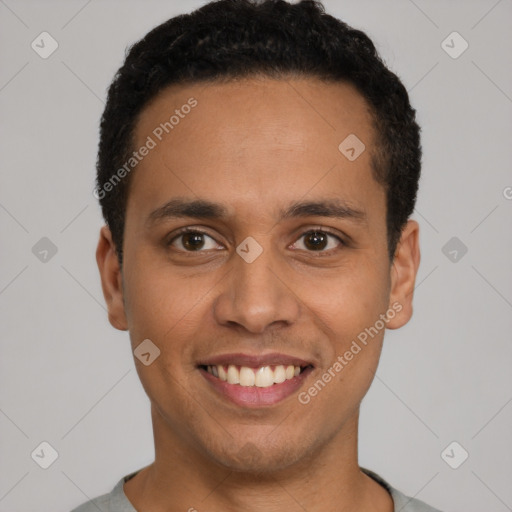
<point>68,378</point>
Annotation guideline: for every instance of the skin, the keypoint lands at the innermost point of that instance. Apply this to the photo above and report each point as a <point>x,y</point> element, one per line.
<point>255,146</point>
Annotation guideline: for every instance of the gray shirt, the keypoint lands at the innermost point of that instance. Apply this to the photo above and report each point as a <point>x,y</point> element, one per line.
<point>116,500</point>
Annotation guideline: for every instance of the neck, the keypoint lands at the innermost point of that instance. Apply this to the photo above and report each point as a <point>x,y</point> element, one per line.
<point>181,478</point>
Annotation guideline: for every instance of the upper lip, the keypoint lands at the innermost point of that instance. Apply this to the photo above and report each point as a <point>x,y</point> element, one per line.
<point>254,361</point>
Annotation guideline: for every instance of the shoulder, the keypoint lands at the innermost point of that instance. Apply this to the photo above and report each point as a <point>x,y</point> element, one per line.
<point>402,502</point>
<point>114,501</point>
<point>406,504</point>
<point>101,503</point>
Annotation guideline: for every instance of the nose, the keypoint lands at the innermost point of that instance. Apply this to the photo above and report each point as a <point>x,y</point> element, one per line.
<point>257,295</point>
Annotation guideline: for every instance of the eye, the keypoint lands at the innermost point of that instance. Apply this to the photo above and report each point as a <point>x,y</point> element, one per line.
<point>317,240</point>
<point>192,240</point>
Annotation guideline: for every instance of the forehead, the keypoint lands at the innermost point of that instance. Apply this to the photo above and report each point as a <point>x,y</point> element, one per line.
<point>256,141</point>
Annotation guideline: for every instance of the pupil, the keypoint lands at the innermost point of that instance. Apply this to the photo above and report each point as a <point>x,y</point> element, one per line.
<point>318,240</point>
<point>193,240</point>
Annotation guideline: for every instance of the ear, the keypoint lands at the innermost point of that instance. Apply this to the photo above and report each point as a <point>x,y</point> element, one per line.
<point>403,275</point>
<point>111,279</point>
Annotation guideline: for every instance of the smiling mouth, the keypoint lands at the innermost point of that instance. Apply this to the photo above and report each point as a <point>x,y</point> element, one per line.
<point>261,377</point>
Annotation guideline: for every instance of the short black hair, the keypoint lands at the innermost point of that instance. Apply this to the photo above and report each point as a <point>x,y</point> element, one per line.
<point>231,39</point>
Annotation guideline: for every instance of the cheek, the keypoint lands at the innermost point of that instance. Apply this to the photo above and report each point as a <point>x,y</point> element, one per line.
<point>349,314</point>
<point>162,305</point>
<point>350,300</point>
<point>167,311</point>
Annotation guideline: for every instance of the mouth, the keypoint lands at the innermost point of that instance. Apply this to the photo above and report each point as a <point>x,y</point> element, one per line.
<point>261,377</point>
<point>255,381</point>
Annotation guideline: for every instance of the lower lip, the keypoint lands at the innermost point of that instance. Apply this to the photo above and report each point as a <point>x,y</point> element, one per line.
<point>253,396</point>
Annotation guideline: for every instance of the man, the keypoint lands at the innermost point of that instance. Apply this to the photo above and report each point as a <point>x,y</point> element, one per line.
<point>258,165</point>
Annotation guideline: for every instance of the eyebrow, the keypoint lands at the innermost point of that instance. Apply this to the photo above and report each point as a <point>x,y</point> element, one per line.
<point>203,209</point>
<point>182,208</point>
<point>329,208</point>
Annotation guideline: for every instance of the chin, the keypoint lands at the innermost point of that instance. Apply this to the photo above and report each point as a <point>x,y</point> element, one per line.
<point>258,458</point>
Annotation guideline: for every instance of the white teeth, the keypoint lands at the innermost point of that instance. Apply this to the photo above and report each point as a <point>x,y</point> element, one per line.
<point>233,374</point>
<point>262,377</point>
<point>247,377</point>
<point>222,373</point>
<point>279,374</point>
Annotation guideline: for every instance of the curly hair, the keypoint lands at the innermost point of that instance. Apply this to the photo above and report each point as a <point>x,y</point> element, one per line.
<point>230,39</point>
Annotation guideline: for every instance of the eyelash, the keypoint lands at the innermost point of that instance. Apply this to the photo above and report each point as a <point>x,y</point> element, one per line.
<point>310,231</point>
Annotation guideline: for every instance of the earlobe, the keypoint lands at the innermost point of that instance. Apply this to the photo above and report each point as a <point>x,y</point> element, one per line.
<point>403,275</point>
<point>111,279</point>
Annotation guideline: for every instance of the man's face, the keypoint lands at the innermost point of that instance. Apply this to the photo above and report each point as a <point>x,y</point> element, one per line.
<point>254,289</point>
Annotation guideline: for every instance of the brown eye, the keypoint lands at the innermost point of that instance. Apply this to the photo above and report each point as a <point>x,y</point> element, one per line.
<point>318,241</point>
<point>315,240</point>
<point>192,241</point>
